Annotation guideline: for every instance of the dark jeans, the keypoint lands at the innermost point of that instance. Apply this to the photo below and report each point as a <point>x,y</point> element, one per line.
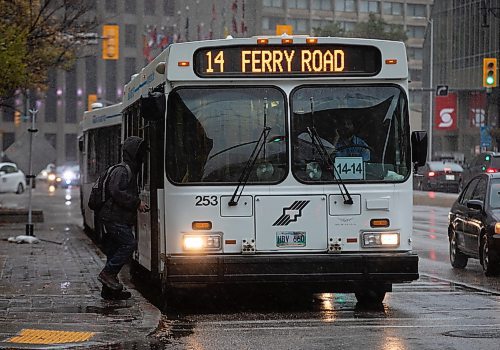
<point>119,245</point>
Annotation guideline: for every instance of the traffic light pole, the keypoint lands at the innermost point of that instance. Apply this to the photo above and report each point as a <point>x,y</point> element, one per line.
<point>30,176</point>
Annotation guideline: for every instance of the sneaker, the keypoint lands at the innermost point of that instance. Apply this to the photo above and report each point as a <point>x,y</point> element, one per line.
<point>109,280</point>
<point>109,294</point>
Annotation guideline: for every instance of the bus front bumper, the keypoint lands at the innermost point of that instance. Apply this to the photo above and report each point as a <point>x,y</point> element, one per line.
<point>305,269</point>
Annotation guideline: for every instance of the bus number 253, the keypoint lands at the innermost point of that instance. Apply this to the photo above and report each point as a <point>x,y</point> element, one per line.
<point>206,201</point>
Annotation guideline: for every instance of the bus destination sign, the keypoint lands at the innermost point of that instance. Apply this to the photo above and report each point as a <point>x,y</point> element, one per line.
<point>287,60</point>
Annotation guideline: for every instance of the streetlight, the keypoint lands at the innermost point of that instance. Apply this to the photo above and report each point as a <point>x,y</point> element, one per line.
<point>431,89</point>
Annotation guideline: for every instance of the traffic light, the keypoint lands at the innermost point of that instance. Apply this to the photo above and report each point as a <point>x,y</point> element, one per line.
<point>490,72</point>
<point>17,118</point>
<point>110,42</point>
<point>92,98</point>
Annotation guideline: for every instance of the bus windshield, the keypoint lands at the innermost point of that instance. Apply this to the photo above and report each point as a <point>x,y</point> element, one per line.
<point>363,129</point>
<point>212,133</point>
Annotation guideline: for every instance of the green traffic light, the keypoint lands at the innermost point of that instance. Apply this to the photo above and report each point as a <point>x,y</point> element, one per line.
<point>487,158</point>
<point>490,80</point>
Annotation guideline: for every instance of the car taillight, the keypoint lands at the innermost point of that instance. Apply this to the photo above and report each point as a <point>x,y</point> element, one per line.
<point>491,170</point>
<point>431,174</point>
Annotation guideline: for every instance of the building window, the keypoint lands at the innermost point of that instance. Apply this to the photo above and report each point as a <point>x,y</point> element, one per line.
<point>52,139</point>
<point>369,6</point>
<point>168,7</point>
<point>318,24</point>
<point>8,139</point>
<point>325,5</point>
<point>393,8</point>
<point>416,32</point>
<point>415,10</point>
<point>130,6</point>
<point>298,4</point>
<point>299,25</point>
<point>414,53</point>
<point>71,141</point>
<point>272,3</point>
<point>269,23</point>
<point>415,74</point>
<point>149,7</point>
<point>348,26</point>
<point>110,6</point>
<point>70,115</point>
<point>129,67</point>
<point>130,35</point>
<point>345,5</point>
<point>8,113</point>
<point>111,81</point>
<point>51,98</point>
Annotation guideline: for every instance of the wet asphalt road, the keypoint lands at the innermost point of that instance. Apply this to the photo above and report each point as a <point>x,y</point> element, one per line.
<point>444,309</point>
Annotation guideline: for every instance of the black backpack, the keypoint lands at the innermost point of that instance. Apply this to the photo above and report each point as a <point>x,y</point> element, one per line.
<point>97,196</point>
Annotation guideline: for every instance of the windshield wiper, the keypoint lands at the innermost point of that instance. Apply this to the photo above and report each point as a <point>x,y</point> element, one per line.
<point>245,174</point>
<point>326,159</point>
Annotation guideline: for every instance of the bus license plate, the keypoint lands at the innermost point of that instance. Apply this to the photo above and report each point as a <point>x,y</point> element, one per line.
<point>291,239</point>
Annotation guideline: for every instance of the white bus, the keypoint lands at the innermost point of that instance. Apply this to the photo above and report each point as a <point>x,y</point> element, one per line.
<point>99,147</point>
<point>280,160</point>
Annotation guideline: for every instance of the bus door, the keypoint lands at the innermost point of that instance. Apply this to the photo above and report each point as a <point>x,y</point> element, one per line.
<point>151,181</point>
<point>291,223</point>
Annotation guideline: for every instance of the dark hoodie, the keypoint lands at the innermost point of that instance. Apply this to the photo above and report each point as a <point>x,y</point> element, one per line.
<point>124,199</point>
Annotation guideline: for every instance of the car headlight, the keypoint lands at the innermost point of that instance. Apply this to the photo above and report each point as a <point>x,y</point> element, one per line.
<point>193,242</point>
<point>380,239</point>
<point>51,177</point>
<point>68,175</point>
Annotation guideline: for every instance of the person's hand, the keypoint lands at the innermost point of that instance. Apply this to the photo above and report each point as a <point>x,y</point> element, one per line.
<point>143,207</point>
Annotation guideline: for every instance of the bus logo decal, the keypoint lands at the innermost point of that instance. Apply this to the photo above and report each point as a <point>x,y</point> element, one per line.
<point>291,214</point>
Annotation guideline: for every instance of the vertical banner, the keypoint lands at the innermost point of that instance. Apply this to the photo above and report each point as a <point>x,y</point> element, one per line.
<point>477,109</point>
<point>445,116</point>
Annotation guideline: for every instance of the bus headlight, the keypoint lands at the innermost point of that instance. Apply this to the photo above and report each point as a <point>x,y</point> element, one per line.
<point>202,242</point>
<point>380,239</point>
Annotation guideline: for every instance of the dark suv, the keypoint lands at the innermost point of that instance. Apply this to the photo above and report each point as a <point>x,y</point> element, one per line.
<point>486,162</point>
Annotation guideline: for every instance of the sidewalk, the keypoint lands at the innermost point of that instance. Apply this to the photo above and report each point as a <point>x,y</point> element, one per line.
<point>52,286</point>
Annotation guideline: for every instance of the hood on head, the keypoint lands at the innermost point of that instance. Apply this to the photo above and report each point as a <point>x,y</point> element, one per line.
<point>130,149</point>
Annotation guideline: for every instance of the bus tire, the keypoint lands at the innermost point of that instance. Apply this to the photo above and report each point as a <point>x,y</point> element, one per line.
<point>370,296</point>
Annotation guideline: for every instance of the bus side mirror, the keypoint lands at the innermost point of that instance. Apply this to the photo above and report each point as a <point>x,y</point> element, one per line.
<point>418,148</point>
<point>153,106</point>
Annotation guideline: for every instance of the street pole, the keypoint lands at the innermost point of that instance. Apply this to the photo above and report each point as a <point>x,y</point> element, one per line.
<point>30,176</point>
<point>431,88</point>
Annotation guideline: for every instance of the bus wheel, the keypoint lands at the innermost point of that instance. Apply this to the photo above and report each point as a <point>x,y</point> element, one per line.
<point>370,296</point>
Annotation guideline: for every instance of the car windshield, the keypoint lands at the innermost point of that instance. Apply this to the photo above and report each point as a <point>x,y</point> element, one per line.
<point>442,166</point>
<point>495,194</point>
<point>363,129</point>
<point>213,132</point>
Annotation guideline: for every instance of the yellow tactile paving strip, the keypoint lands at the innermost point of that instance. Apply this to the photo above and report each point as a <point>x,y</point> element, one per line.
<point>42,336</point>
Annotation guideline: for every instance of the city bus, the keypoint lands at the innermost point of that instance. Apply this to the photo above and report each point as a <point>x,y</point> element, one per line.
<point>99,145</point>
<point>280,160</point>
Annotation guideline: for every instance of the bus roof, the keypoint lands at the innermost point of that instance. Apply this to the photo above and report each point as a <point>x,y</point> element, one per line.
<point>101,117</point>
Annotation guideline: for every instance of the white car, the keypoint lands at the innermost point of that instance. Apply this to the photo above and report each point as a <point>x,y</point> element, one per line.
<point>11,178</point>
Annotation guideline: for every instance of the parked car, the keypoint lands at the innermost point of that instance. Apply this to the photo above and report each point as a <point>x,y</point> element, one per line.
<point>12,179</point>
<point>438,176</point>
<point>474,224</point>
<point>486,162</point>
